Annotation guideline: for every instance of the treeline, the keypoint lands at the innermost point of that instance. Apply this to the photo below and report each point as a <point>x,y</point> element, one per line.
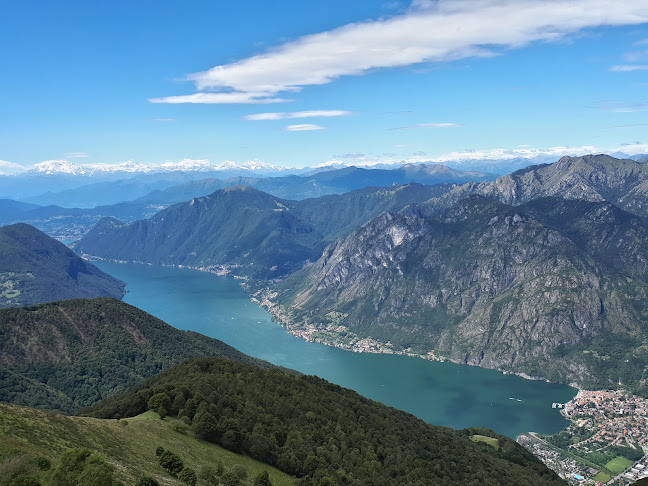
<point>319,432</point>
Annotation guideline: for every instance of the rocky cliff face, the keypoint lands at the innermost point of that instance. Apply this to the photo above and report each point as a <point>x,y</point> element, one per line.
<point>590,178</point>
<point>486,283</point>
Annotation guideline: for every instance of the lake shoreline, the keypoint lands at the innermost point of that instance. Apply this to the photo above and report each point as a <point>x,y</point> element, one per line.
<point>368,345</point>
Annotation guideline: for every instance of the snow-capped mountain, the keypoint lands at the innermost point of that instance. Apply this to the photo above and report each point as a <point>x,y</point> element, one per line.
<point>51,167</point>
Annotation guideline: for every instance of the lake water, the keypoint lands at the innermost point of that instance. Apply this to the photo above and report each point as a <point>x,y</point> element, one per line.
<point>447,394</point>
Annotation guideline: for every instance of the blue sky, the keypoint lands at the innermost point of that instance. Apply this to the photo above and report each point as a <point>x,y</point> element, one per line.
<point>300,83</point>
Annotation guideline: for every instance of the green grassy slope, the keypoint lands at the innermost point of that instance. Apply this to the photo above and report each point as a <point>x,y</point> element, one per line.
<point>321,432</point>
<point>129,446</point>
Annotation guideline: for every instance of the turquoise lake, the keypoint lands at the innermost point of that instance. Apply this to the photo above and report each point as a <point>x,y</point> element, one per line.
<point>447,394</point>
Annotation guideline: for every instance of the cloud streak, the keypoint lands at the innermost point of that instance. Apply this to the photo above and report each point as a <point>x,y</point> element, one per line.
<point>429,31</point>
<point>298,114</point>
<point>629,67</point>
<point>306,127</point>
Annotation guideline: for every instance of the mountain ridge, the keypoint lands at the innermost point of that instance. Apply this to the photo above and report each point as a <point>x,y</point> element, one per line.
<point>488,284</point>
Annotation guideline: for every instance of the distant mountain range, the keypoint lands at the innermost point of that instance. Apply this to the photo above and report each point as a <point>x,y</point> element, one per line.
<point>69,214</point>
<point>167,188</point>
<point>36,268</point>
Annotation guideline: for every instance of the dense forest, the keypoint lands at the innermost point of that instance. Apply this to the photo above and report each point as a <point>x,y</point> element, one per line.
<point>70,354</point>
<point>320,432</point>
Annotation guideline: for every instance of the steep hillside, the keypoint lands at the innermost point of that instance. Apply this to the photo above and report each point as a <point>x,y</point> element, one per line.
<point>36,268</point>
<point>553,288</point>
<point>30,438</point>
<point>623,182</point>
<point>322,433</point>
<point>68,355</point>
<point>247,231</point>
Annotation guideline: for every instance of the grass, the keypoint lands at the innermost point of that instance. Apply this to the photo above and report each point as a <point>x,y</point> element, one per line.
<point>618,465</point>
<point>602,477</point>
<point>491,441</point>
<point>129,445</point>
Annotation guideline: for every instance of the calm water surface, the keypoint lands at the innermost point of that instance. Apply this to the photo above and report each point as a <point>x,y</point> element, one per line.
<point>440,393</point>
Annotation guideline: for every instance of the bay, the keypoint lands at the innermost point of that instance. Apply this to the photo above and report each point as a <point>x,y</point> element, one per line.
<point>448,394</point>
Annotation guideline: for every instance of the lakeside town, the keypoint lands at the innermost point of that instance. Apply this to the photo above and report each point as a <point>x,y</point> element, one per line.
<point>606,443</point>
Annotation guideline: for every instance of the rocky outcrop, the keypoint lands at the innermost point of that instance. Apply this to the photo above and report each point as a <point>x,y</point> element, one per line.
<point>485,283</point>
<point>591,178</point>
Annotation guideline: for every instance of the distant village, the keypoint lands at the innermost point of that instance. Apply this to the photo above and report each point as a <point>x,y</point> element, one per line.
<point>603,422</point>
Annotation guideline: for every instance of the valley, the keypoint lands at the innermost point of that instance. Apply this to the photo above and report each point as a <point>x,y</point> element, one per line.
<point>441,393</point>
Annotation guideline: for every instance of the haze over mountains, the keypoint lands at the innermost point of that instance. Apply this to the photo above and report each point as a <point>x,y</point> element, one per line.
<point>69,214</point>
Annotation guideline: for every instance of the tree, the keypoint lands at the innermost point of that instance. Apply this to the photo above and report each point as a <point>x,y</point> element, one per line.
<point>229,478</point>
<point>262,479</point>
<point>96,473</point>
<point>172,463</point>
<point>17,470</point>
<point>147,481</point>
<point>209,475</point>
<point>207,427</point>
<point>159,400</point>
<point>159,450</point>
<point>78,466</point>
<point>188,476</point>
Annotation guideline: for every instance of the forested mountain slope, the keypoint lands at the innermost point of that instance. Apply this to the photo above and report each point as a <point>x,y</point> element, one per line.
<point>68,355</point>
<point>248,231</point>
<point>36,268</point>
<point>322,433</point>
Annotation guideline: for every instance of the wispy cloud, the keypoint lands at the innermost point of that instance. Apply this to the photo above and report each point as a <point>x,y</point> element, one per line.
<point>221,98</point>
<point>635,56</point>
<point>631,126</point>
<point>429,31</point>
<point>488,157</point>
<point>7,168</point>
<point>629,67</point>
<point>298,114</point>
<point>625,107</point>
<point>76,155</point>
<point>303,128</point>
<point>429,125</point>
<point>163,120</point>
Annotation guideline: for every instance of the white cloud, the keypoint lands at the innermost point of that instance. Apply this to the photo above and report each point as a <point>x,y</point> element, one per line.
<point>163,119</point>
<point>7,168</point>
<point>304,127</point>
<point>298,114</point>
<point>221,98</point>
<point>629,67</point>
<point>429,125</point>
<point>487,156</point>
<point>76,155</point>
<point>429,31</point>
